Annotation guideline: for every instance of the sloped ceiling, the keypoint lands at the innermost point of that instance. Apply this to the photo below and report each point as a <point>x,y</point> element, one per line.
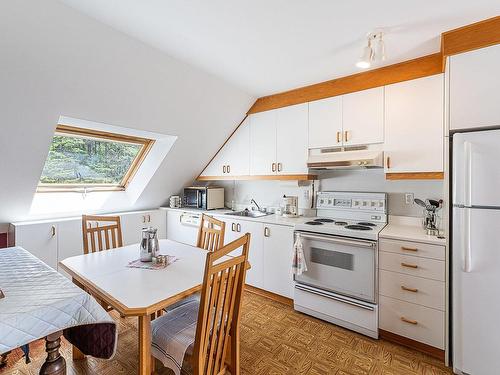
<point>57,61</point>
<point>268,46</point>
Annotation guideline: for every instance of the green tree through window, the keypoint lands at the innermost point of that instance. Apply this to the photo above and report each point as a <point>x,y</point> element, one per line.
<point>84,160</point>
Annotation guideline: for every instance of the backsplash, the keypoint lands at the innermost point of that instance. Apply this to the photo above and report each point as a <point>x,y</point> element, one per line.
<point>269,193</point>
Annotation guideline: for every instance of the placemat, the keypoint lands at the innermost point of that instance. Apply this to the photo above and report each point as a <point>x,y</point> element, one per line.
<point>150,265</point>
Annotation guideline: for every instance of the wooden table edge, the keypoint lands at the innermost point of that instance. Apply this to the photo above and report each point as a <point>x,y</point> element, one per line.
<point>124,310</point>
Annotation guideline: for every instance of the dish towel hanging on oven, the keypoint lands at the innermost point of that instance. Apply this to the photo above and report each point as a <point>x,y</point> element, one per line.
<point>299,265</point>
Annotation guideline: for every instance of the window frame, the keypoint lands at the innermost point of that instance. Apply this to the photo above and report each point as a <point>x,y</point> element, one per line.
<point>146,144</point>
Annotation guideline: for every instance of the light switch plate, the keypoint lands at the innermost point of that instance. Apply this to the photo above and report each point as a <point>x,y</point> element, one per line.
<point>409,198</point>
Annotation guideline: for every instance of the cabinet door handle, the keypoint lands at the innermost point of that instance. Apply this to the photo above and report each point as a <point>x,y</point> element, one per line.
<point>238,227</point>
<point>233,227</point>
<point>267,232</point>
<point>143,218</point>
<point>280,167</point>
<point>388,162</point>
<point>338,137</point>
<point>346,135</point>
<point>223,169</point>
<point>53,230</point>
<point>413,290</point>
<point>408,248</point>
<point>414,322</point>
<point>273,167</point>
<point>149,218</point>
<point>409,265</point>
<point>228,169</point>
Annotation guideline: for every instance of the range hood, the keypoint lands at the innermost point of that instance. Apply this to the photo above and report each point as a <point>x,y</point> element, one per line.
<point>346,159</point>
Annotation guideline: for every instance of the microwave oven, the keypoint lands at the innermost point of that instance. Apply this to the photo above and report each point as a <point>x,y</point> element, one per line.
<point>204,198</point>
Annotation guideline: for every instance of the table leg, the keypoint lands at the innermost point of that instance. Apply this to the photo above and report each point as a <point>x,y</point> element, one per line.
<point>55,364</point>
<point>145,345</point>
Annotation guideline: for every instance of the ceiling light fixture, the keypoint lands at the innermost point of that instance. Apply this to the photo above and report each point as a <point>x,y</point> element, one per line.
<point>373,51</point>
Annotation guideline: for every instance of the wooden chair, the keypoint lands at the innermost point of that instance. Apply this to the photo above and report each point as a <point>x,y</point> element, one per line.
<point>101,233</point>
<point>217,317</point>
<point>211,233</point>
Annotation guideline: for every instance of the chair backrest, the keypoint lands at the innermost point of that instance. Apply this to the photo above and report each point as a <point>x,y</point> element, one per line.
<point>211,233</point>
<point>219,314</point>
<point>101,233</point>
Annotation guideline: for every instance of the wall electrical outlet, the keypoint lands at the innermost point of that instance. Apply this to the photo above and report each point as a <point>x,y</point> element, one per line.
<point>409,198</point>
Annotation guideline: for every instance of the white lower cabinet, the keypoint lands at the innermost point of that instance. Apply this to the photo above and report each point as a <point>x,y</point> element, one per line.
<point>54,241</point>
<point>412,290</point>
<point>40,239</point>
<point>417,322</point>
<point>237,228</point>
<point>270,254</point>
<point>69,241</point>
<point>278,244</point>
<point>177,231</point>
<point>133,222</point>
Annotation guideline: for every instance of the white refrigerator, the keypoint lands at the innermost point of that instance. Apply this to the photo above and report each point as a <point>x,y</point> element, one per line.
<point>476,253</point>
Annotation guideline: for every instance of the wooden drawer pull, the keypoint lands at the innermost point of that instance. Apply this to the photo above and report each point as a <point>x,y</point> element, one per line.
<point>414,290</point>
<point>408,248</point>
<point>409,265</point>
<point>414,322</point>
<point>338,137</point>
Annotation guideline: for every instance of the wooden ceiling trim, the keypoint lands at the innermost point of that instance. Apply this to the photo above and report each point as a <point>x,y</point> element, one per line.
<point>404,71</point>
<point>474,36</point>
<point>415,176</point>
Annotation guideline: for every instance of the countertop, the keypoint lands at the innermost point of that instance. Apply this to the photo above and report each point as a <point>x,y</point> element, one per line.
<point>269,219</point>
<point>409,229</point>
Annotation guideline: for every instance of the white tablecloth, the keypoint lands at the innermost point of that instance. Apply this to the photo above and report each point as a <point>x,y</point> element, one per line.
<point>40,301</point>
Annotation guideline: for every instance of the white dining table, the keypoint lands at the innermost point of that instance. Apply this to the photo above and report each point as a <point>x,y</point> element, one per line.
<point>135,291</point>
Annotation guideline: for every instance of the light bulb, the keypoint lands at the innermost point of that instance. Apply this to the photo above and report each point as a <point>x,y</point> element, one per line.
<point>363,64</point>
<point>365,60</point>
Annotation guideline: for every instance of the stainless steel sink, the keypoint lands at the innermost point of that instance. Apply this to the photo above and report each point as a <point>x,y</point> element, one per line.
<point>248,213</point>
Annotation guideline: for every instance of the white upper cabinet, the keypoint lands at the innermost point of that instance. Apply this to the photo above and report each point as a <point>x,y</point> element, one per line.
<point>473,85</point>
<point>263,143</point>
<point>325,122</point>
<point>234,158</point>
<point>363,117</point>
<point>237,151</point>
<point>414,125</point>
<point>291,139</point>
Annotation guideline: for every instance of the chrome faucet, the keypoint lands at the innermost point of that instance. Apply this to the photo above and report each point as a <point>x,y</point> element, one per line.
<point>254,202</point>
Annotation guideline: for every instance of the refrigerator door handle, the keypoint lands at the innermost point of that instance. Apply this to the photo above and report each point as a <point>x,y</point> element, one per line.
<point>467,256</point>
<point>467,199</point>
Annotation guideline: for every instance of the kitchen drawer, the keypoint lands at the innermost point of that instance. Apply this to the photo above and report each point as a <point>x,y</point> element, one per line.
<point>425,292</point>
<point>412,265</point>
<point>428,324</point>
<point>413,248</point>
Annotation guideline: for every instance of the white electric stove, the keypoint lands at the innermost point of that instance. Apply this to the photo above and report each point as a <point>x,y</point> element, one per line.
<point>341,253</point>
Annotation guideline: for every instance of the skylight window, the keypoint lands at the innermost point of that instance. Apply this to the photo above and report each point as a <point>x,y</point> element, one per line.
<point>86,160</point>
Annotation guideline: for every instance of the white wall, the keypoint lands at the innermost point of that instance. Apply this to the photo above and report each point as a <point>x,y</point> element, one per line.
<point>268,193</point>
<point>56,61</point>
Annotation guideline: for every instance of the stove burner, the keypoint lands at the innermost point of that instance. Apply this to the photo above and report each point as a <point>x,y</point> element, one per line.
<point>357,227</point>
<point>314,223</point>
<point>367,224</point>
<point>324,220</point>
<point>341,223</point>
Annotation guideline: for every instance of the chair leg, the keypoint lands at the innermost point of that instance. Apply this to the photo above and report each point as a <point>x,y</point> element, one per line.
<point>153,365</point>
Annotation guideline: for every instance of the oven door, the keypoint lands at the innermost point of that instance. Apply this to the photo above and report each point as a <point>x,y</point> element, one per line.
<point>340,265</point>
<point>192,198</point>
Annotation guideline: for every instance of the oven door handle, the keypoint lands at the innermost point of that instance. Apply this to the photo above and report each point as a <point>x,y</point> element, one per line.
<point>335,297</point>
<point>332,239</point>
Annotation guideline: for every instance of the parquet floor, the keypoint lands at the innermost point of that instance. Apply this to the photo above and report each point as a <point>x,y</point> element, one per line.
<point>274,340</point>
